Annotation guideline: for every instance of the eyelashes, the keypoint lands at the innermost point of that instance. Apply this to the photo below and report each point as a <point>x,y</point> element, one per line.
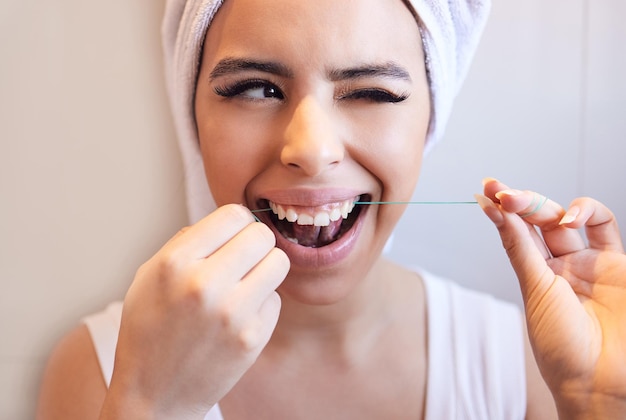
<point>259,89</point>
<point>254,89</point>
<point>375,95</point>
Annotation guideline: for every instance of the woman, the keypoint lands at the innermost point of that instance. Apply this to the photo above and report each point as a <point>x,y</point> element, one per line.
<point>306,108</point>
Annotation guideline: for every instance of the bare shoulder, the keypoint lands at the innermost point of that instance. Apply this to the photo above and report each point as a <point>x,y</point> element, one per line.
<point>540,404</point>
<point>72,386</point>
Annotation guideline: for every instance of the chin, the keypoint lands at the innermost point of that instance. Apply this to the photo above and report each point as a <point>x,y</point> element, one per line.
<point>323,287</point>
<point>327,284</point>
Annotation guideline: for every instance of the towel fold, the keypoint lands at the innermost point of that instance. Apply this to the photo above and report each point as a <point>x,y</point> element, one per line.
<point>450,32</point>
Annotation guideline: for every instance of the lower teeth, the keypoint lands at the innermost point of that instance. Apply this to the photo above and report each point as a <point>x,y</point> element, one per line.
<point>311,236</point>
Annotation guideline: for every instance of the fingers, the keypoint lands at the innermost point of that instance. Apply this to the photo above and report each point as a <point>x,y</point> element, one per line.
<point>527,259</point>
<point>249,308</point>
<point>241,253</point>
<point>257,334</point>
<point>540,211</point>
<point>546,214</point>
<point>201,310</point>
<point>225,259</point>
<point>266,276</point>
<point>599,222</point>
<point>558,227</point>
<point>210,233</point>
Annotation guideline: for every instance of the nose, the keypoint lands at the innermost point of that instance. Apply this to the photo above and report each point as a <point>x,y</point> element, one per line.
<point>312,144</point>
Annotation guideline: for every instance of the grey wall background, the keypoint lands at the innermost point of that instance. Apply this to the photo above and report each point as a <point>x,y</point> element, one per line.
<point>91,185</point>
<point>544,108</point>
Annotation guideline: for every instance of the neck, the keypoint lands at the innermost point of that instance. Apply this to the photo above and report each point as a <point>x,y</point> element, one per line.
<point>343,328</point>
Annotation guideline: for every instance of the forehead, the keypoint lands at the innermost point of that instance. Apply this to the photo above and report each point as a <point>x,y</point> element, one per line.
<point>327,32</point>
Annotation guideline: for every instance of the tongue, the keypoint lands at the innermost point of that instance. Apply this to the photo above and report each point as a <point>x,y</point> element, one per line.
<point>316,236</point>
<point>329,233</point>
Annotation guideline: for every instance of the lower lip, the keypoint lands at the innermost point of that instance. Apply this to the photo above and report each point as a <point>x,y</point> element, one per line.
<point>319,257</point>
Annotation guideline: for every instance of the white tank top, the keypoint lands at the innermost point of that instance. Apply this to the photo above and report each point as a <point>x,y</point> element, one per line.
<point>476,365</point>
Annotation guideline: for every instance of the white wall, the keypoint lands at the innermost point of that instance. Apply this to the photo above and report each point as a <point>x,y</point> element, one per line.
<point>90,177</point>
<point>90,183</point>
<point>544,108</point>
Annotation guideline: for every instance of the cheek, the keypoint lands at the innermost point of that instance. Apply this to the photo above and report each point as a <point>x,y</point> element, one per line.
<point>392,152</point>
<point>232,153</point>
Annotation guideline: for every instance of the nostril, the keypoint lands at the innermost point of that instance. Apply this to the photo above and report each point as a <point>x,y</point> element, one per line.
<point>313,158</point>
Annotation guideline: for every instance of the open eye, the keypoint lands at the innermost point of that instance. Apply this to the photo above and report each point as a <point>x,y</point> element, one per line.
<point>374,95</point>
<point>251,89</point>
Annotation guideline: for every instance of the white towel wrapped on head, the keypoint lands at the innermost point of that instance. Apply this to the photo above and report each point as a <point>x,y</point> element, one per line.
<point>450,32</point>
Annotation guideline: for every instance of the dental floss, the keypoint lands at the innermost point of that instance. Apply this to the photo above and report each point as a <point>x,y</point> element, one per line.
<point>415,202</point>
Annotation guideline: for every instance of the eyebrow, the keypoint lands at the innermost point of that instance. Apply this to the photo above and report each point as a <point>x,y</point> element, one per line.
<point>234,65</point>
<point>387,70</point>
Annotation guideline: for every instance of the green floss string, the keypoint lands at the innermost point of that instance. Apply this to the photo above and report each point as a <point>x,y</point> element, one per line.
<point>415,202</point>
<point>259,211</point>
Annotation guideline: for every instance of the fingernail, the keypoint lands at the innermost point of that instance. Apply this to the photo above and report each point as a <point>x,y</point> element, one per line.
<point>510,193</point>
<point>487,180</point>
<point>484,202</point>
<point>489,207</point>
<point>570,216</point>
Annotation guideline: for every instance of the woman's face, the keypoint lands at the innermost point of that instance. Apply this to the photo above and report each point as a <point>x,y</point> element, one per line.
<point>306,107</point>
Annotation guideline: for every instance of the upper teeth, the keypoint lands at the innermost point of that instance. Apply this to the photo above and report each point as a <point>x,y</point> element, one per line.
<point>311,216</point>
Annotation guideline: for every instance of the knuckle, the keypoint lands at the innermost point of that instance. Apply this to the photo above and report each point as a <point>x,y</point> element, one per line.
<point>247,340</point>
<point>195,295</point>
<point>144,269</point>
<point>261,235</point>
<point>282,255</point>
<point>237,212</point>
<point>245,333</point>
<point>169,262</point>
<point>280,260</point>
<point>178,234</point>
<point>254,336</point>
<point>228,318</point>
<point>183,230</point>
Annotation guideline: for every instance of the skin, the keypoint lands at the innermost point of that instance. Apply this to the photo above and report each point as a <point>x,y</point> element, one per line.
<point>314,140</point>
<point>574,292</point>
<point>319,136</point>
<point>210,299</point>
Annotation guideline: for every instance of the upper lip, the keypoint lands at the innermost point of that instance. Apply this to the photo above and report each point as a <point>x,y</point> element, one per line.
<point>310,197</point>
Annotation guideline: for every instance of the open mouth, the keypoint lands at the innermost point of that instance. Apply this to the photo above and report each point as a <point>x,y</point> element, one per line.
<point>314,227</point>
